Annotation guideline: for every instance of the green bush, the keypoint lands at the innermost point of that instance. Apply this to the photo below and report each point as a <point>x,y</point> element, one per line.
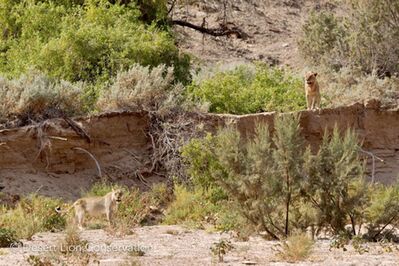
<point>89,42</point>
<point>31,215</point>
<point>243,91</point>
<point>279,185</point>
<point>189,207</point>
<point>382,210</point>
<point>335,181</point>
<point>324,40</point>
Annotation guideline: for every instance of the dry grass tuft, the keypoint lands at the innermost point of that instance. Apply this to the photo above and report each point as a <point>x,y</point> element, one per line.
<point>296,248</point>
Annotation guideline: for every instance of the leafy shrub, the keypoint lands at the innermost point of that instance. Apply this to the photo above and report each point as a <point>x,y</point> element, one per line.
<point>242,91</point>
<point>324,39</point>
<point>7,238</point>
<point>335,181</point>
<point>89,42</point>
<point>278,184</point>
<point>296,248</point>
<point>251,172</point>
<point>382,211</point>
<point>37,97</point>
<point>31,215</point>
<point>189,207</point>
<point>202,163</point>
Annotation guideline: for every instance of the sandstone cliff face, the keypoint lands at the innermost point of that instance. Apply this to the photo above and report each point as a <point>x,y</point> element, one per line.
<point>121,145</point>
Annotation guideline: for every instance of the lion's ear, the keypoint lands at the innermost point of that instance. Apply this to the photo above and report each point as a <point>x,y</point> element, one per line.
<point>315,74</point>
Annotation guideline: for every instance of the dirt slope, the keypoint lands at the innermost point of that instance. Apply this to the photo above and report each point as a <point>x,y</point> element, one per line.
<point>50,164</point>
<point>272,28</point>
<point>121,145</point>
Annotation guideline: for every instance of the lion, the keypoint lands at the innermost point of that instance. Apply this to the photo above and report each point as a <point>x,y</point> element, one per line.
<point>95,206</point>
<point>312,91</point>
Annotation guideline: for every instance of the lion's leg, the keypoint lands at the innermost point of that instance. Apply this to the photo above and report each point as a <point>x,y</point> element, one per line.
<point>80,217</point>
<point>313,103</point>
<point>109,216</point>
<point>308,102</point>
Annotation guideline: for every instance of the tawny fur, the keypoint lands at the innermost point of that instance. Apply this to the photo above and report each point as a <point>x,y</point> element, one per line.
<point>95,206</point>
<point>312,91</point>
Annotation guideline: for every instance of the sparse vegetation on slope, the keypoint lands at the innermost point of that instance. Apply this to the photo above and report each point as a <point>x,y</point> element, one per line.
<point>355,50</point>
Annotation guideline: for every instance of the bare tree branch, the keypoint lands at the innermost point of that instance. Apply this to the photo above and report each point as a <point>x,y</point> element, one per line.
<point>223,30</point>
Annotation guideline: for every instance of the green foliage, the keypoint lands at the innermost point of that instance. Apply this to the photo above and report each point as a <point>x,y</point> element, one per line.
<point>382,210</point>
<point>242,91</point>
<point>89,42</point>
<point>152,10</point>
<point>99,189</point>
<point>201,162</point>
<point>279,185</point>
<point>8,238</point>
<point>31,215</point>
<point>323,39</point>
<point>335,181</point>
<point>251,172</point>
<point>189,207</point>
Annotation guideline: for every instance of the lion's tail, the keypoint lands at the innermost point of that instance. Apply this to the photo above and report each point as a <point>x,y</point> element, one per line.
<point>59,211</point>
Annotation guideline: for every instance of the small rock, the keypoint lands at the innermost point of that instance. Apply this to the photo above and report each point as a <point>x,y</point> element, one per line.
<point>249,262</point>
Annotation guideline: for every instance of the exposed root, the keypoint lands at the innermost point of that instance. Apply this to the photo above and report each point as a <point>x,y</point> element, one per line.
<point>94,159</point>
<point>135,157</point>
<point>78,129</point>
<point>168,134</point>
<point>44,143</point>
